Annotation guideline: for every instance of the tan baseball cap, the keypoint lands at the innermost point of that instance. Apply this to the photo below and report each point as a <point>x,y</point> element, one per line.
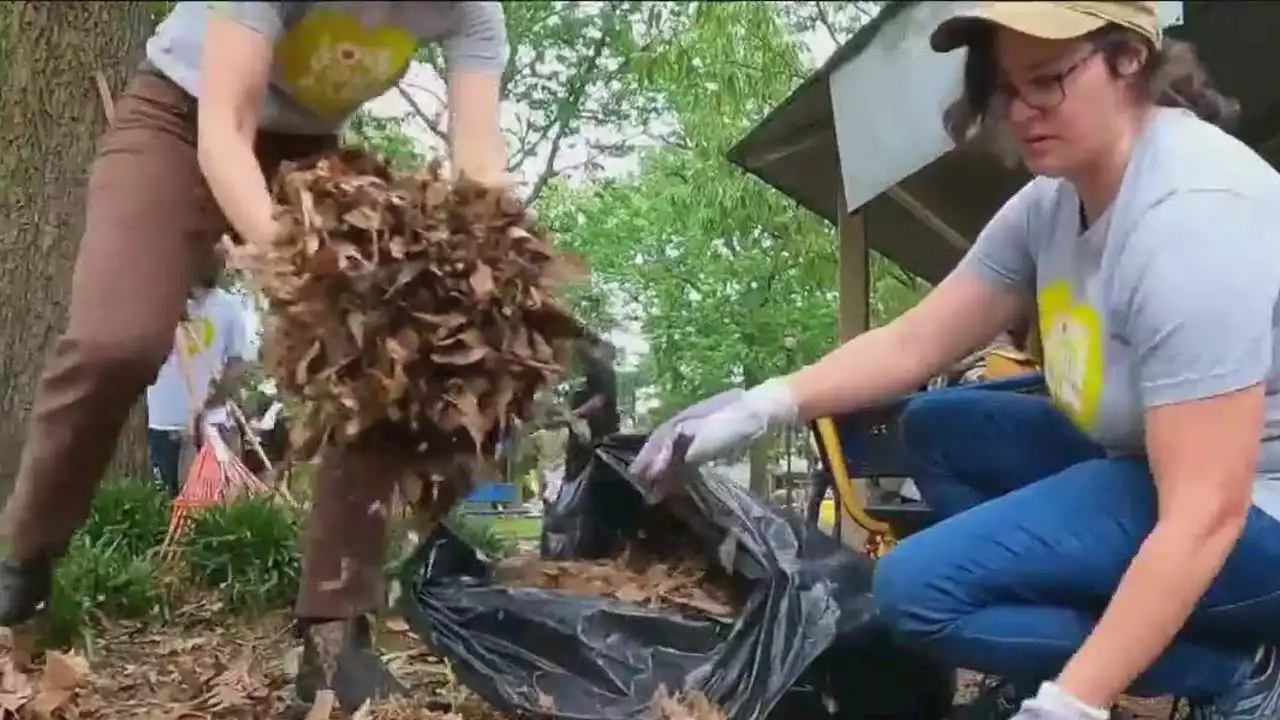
<point>1047,20</point>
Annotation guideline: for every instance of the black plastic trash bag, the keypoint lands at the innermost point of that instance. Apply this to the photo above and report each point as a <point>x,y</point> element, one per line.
<point>806,645</point>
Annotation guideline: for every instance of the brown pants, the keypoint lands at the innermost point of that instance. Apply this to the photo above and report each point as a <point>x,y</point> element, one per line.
<point>150,223</point>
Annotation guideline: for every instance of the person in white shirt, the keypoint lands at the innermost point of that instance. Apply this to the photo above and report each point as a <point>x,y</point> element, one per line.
<point>193,388</point>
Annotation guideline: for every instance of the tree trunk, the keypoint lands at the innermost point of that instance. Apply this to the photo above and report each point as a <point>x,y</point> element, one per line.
<point>50,121</point>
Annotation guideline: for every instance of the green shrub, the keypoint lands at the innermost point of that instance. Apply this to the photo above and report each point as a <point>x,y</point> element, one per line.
<point>479,532</point>
<point>100,580</point>
<point>135,515</point>
<point>247,550</point>
<point>110,570</point>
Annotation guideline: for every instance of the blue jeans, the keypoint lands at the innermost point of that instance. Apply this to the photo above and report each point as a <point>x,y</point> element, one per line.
<point>165,449</point>
<point>1039,528</point>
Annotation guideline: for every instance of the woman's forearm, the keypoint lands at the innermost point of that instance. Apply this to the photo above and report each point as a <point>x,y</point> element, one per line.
<point>480,156</point>
<point>475,131</point>
<point>1171,571</point>
<point>962,313</point>
<point>236,180</point>
<point>872,367</point>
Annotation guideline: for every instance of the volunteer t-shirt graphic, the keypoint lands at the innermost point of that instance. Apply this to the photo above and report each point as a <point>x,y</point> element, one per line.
<point>332,64</point>
<point>197,336</point>
<point>1071,334</point>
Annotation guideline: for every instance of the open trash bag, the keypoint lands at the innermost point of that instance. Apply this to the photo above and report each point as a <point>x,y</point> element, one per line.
<point>805,643</point>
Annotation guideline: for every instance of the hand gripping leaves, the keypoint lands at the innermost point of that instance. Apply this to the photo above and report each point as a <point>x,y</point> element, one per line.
<point>419,308</point>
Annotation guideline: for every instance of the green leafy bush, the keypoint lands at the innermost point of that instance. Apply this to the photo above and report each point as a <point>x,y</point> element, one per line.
<point>247,550</point>
<point>135,515</point>
<point>111,569</point>
<point>479,532</point>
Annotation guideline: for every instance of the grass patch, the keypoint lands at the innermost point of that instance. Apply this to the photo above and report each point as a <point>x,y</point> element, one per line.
<point>480,533</point>
<point>133,517</point>
<point>97,581</point>
<point>245,552</point>
<point>518,528</point>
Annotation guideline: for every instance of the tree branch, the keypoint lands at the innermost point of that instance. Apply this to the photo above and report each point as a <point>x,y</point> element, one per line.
<point>431,124</point>
<point>423,88</point>
<point>599,151</point>
<point>528,144</point>
<point>825,21</point>
<point>573,102</point>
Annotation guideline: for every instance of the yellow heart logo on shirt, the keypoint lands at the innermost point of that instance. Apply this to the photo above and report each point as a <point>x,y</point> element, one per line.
<point>197,336</point>
<point>332,64</point>
<point>1072,337</point>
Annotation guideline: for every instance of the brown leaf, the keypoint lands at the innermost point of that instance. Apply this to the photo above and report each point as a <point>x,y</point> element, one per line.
<point>63,671</point>
<point>461,355</point>
<point>482,284</point>
<point>365,218</point>
<point>323,706</point>
<point>631,593</point>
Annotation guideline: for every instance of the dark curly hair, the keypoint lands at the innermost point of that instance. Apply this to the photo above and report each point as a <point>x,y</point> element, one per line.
<point>1171,76</point>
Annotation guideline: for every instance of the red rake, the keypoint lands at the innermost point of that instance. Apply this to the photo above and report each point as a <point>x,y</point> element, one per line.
<point>215,476</point>
<point>216,473</point>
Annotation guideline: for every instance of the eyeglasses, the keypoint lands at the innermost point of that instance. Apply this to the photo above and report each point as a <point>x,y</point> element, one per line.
<point>1041,92</point>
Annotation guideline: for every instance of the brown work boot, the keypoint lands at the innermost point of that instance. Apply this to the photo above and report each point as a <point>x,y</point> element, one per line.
<point>24,589</point>
<point>338,655</point>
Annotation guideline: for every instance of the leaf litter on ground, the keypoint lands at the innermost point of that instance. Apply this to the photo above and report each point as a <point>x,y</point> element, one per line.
<point>205,666</point>
<point>202,667</point>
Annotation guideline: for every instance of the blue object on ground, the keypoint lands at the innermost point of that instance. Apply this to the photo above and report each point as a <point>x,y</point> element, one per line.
<point>494,492</point>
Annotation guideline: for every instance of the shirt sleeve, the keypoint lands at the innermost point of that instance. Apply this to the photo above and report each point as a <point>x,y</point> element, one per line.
<point>1002,255</point>
<point>263,17</point>
<point>481,40</point>
<point>1201,278</point>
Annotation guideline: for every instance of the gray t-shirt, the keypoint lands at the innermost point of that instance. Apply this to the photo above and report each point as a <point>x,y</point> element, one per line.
<point>331,57</point>
<point>1171,296</point>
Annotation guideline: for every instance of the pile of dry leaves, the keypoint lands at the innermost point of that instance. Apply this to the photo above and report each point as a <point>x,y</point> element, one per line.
<point>660,567</point>
<point>637,578</point>
<point>424,310</point>
<point>683,585</point>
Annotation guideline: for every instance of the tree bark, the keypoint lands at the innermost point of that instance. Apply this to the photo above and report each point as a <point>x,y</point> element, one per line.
<point>50,121</point>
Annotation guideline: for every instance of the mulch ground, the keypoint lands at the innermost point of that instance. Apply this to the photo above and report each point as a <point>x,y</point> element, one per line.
<point>201,667</point>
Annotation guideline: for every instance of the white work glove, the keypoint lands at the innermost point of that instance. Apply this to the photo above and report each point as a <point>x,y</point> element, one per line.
<point>712,428</point>
<point>1054,703</point>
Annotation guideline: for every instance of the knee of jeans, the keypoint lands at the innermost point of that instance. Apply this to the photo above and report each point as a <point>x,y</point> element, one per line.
<point>126,357</point>
<point>911,594</point>
<point>930,418</point>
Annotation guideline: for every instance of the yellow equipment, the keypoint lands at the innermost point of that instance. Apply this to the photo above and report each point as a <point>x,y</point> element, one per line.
<point>876,434</point>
